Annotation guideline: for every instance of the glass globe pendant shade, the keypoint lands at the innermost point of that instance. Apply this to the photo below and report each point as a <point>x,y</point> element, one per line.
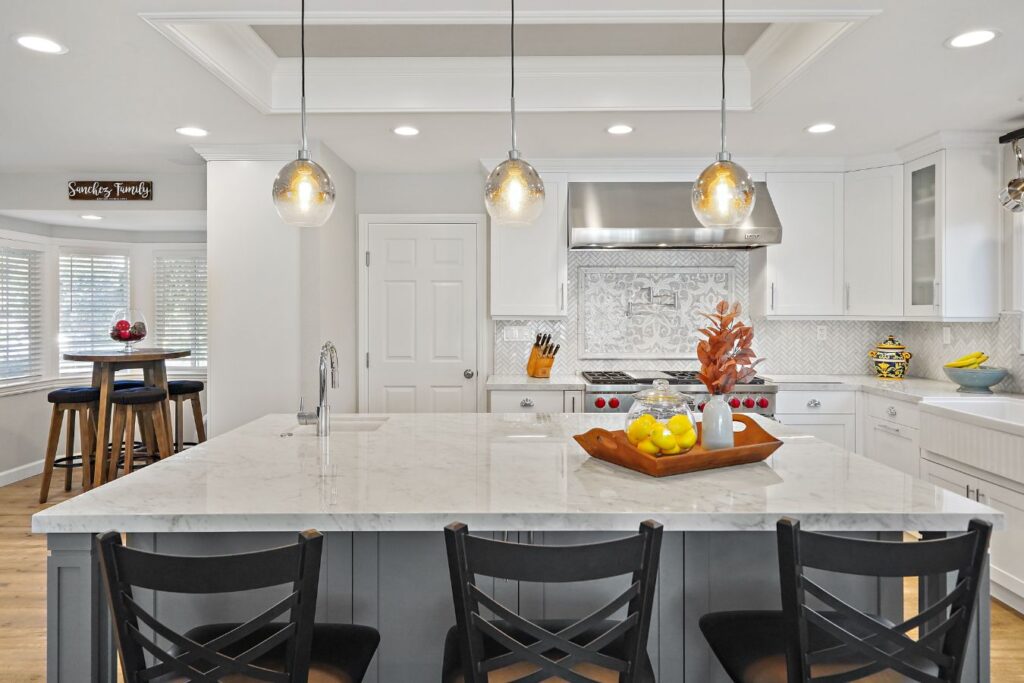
<point>514,192</point>
<point>723,195</point>
<point>304,193</point>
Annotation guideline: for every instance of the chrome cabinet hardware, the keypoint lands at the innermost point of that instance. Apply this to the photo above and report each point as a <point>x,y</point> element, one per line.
<point>814,403</point>
<point>772,304</point>
<point>526,403</point>
<point>891,411</point>
<point>968,490</point>
<point>889,428</point>
<point>846,299</point>
<point>468,374</point>
<point>561,305</point>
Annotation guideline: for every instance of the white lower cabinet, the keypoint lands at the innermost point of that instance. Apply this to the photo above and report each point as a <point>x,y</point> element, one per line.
<point>1007,547</point>
<point>840,430</point>
<point>536,401</point>
<point>893,444</point>
<point>572,401</point>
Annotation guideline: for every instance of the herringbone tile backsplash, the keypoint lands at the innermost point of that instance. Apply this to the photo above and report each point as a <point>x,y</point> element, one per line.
<point>788,347</point>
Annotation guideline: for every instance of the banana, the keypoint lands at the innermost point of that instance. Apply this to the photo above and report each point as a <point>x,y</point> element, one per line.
<point>976,363</point>
<point>966,361</point>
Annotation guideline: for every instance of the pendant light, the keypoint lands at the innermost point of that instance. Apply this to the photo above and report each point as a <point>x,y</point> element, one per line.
<point>303,192</point>
<point>723,195</point>
<point>1012,196</point>
<point>514,191</point>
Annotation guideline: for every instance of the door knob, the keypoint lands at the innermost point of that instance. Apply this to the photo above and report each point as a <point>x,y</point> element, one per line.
<point>468,374</point>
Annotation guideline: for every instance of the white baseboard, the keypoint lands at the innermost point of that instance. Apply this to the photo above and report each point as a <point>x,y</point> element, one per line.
<point>22,472</point>
<point>1007,597</point>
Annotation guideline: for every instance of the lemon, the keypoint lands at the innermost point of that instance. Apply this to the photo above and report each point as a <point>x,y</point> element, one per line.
<point>639,430</point>
<point>662,437</point>
<point>680,424</point>
<point>647,446</point>
<point>675,450</point>
<point>687,440</point>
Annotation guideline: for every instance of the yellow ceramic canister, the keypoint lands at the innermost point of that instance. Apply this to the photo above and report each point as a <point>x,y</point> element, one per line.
<point>890,358</point>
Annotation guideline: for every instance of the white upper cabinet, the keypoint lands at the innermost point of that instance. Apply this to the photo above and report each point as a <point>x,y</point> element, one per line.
<point>805,273</point>
<point>529,272</point>
<point>873,243</point>
<point>952,235</point>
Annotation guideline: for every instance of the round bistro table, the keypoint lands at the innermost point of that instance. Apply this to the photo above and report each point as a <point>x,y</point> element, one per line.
<point>154,373</point>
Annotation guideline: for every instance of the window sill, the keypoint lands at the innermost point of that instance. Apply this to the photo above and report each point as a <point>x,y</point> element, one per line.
<point>35,385</point>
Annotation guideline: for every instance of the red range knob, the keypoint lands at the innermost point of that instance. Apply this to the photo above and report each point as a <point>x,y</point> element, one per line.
<point>762,403</point>
<point>613,403</point>
<point>599,403</point>
<point>748,402</point>
<point>701,407</point>
<point>734,402</point>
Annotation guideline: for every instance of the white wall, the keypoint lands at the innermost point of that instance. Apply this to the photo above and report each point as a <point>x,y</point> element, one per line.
<point>420,193</point>
<point>185,190</point>
<point>253,265</point>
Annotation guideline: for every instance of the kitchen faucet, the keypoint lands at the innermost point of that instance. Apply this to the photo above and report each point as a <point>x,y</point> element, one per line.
<point>322,416</point>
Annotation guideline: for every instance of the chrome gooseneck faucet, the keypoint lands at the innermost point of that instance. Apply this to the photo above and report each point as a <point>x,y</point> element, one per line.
<point>328,357</point>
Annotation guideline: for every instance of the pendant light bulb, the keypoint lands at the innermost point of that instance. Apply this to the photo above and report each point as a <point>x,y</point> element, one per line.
<point>303,191</point>
<point>514,191</point>
<point>723,195</point>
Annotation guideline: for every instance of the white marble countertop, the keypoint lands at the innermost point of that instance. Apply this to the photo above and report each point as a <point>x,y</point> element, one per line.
<point>419,472</point>
<point>913,389</point>
<point>519,382</point>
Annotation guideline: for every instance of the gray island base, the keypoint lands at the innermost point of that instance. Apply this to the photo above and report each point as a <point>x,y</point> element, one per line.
<point>382,487</point>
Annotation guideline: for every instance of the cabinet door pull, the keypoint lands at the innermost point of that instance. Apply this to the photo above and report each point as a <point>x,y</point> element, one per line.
<point>968,490</point>
<point>846,295</point>
<point>772,304</point>
<point>889,428</point>
<point>526,403</point>
<point>561,305</point>
<point>814,403</point>
<point>891,411</point>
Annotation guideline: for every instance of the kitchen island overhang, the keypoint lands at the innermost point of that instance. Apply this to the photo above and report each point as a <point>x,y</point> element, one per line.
<point>383,486</point>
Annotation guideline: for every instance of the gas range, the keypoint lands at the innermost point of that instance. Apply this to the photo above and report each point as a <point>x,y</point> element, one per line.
<point>611,391</point>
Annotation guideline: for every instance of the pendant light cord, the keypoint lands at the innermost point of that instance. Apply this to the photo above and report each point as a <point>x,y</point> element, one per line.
<point>723,76</point>
<point>302,50</point>
<point>512,95</point>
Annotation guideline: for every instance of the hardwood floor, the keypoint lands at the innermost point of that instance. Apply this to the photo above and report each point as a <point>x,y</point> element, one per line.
<point>23,593</point>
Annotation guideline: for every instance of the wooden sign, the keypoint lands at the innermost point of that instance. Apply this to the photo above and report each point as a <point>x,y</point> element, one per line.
<point>111,190</point>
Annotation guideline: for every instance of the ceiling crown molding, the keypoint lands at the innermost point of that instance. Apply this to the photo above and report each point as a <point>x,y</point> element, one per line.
<point>246,152</point>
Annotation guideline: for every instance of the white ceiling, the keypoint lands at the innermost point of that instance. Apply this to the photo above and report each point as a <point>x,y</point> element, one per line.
<point>112,103</point>
<point>115,219</point>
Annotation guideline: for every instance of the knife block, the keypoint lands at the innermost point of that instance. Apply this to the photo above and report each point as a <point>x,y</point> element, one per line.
<point>538,365</point>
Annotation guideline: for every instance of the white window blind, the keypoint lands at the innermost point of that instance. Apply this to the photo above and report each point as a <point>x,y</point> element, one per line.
<point>92,287</point>
<point>21,314</point>
<point>179,283</point>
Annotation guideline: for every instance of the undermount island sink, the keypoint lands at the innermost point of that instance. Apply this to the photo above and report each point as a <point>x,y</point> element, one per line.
<point>344,423</point>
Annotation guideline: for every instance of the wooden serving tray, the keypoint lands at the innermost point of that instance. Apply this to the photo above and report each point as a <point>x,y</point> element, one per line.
<point>753,444</point>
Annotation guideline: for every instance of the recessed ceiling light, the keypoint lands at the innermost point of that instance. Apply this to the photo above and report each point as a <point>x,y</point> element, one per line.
<point>971,38</point>
<point>192,131</point>
<point>41,44</point>
<point>407,131</point>
<point>620,129</point>
<point>821,128</point>
<point>90,217</point>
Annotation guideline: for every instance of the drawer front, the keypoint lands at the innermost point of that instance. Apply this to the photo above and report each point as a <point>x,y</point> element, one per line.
<point>527,402</point>
<point>816,402</point>
<point>899,412</point>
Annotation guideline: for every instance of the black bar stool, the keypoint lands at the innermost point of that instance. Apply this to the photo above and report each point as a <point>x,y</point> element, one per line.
<point>828,639</point>
<point>182,390</point>
<point>146,405</point>
<point>74,401</point>
<point>593,649</point>
<point>289,651</point>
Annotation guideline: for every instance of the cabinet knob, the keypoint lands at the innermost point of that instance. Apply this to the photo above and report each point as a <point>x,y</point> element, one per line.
<point>891,411</point>
<point>526,403</point>
<point>814,403</point>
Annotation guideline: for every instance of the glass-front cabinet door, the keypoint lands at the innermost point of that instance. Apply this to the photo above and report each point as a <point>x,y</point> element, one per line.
<point>925,213</point>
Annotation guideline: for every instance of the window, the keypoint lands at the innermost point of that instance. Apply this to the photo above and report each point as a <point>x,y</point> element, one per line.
<point>179,283</point>
<point>21,314</point>
<point>93,285</point>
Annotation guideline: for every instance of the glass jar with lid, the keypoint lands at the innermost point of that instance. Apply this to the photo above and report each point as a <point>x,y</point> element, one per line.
<point>660,421</point>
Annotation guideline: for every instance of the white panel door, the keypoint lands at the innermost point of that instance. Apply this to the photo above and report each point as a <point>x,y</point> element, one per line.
<point>840,430</point>
<point>873,242</point>
<point>421,318</point>
<point>805,272</point>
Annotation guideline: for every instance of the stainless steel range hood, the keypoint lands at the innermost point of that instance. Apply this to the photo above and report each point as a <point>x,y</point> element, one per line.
<point>659,216</point>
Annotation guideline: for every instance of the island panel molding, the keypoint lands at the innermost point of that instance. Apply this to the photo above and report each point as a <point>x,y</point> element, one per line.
<point>111,190</point>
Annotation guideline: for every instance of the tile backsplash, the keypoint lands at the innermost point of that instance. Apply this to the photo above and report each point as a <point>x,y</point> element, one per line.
<point>652,333</point>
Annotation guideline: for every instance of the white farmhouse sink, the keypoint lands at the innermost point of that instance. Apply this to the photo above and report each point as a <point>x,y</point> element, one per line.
<point>998,411</point>
<point>985,432</point>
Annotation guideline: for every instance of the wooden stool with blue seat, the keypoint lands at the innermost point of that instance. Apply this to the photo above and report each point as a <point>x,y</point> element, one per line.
<point>145,404</point>
<point>80,401</point>
<point>182,390</point>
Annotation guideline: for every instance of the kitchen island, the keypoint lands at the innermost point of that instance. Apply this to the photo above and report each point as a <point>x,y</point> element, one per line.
<point>382,487</point>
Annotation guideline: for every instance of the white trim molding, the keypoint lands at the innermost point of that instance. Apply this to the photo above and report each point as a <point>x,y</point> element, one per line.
<point>247,152</point>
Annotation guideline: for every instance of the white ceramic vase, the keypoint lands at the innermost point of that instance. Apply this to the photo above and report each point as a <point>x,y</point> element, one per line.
<point>717,430</point>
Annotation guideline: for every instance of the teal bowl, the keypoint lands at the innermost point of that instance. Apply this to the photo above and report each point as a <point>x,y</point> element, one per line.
<point>976,380</point>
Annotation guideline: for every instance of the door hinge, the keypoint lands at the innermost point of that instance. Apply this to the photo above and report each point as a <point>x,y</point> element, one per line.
<point>367,259</point>
<point>367,359</point>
